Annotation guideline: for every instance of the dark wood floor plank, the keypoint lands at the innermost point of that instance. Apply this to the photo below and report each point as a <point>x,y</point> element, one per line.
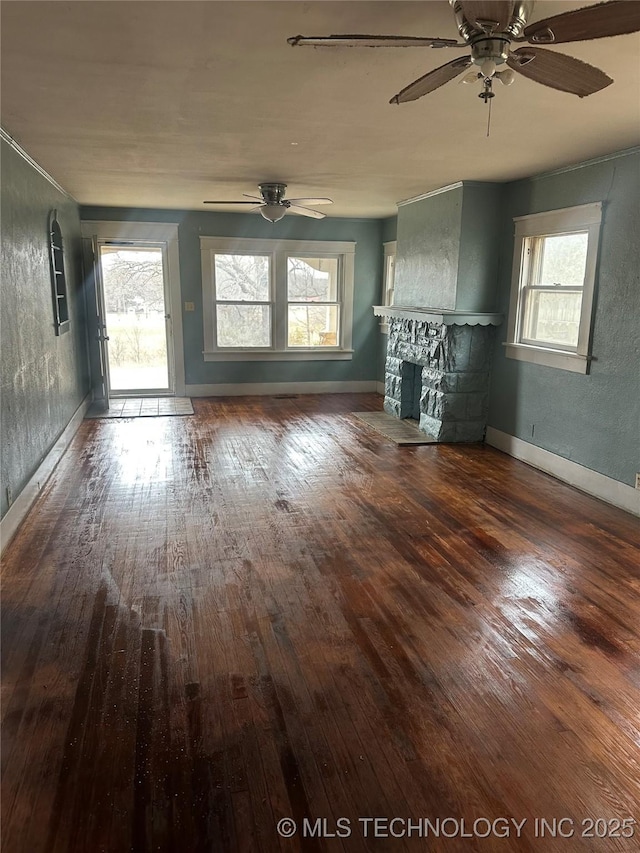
<point>266,610</point>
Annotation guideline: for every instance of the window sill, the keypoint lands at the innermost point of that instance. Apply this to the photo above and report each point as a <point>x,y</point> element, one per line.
<point>548,357</point>
<point>280,355</point>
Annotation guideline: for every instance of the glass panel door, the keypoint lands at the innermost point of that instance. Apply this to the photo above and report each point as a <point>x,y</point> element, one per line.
<point>136,319</point>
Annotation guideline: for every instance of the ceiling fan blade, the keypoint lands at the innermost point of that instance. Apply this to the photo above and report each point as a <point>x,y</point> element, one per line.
<point>593,22</point>
<point>254,197</point>
<point>482,14</point>
<point>372,41</point>
<point>432,80</point>
<point>310,200</point>
<point>304,211</point>
<point>558,71</point>
<point>231,202</point>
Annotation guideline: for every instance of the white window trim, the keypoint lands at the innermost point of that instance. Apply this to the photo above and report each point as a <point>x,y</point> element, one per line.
<point>390,250</point>
<point>586,217</point>
<point>279,250</point>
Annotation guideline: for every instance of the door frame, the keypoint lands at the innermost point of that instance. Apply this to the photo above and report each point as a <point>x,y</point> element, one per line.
<point>165,235</point>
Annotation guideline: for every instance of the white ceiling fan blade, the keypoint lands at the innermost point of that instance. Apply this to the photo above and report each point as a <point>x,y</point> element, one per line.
<point>256,209</point>
<point>310,201</point>
<point>305,211</point>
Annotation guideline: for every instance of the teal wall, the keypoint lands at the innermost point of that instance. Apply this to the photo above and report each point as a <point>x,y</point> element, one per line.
<point>44,376</point>
<point>593,420</point>
<point>478,260</point>
<point>366,233</point>
<point>428,250</point>
<point>389,233</point>
<point>389,229</point>
<point>447,248</point>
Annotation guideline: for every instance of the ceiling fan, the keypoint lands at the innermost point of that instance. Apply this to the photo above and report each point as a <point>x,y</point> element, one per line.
<point>488,28</point>
<point>272,204</point>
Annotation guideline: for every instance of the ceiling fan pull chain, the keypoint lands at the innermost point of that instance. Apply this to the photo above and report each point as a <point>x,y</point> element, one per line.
<point>489,121</point>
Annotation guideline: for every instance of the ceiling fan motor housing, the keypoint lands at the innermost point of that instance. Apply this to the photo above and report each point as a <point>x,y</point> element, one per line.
<point>272,193</point>
<point>485,48</point>
<point>513,30</point>
<point>491,40</point>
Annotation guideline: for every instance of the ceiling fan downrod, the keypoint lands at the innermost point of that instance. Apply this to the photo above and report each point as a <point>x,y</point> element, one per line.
<point>487,94</point>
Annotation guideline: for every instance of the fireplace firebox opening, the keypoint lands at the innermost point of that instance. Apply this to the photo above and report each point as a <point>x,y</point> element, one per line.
<point>410,390</point>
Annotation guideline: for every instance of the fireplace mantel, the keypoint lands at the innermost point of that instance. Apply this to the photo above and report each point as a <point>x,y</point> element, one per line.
<point>441,316</point>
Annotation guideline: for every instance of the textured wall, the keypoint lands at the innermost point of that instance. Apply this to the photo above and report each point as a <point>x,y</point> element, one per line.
<point>479,246</point>
<point>368,277</point>
<point>389,229</point>
<point>389,232</point>
<point>428,249</point>
<point>44,377</point>
<point>595,419</point>
<point>447,245</point>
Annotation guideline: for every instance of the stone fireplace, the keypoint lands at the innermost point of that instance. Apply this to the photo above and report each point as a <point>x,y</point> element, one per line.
<point>437,369</point>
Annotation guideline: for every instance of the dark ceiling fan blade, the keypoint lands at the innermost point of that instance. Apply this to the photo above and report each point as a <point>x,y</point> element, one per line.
<point>304,211</point>
<point>310,200</point>
<point>482,14</point>
<point>593,22</point>
<point>558,71</point>
<point>254,197</point>
<point>231,202</point>
<point>372,41</point>
<point>432,80</point>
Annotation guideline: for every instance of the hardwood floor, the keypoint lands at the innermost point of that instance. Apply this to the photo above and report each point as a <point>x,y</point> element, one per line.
<point>266,610</point>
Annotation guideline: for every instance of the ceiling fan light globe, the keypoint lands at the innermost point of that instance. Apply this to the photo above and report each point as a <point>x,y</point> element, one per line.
<point>273,212</point>
<point>488,68</point>
<point>506,77</point>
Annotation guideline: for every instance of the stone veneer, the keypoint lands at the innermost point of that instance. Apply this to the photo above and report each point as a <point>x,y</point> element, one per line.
<point>455,362</point>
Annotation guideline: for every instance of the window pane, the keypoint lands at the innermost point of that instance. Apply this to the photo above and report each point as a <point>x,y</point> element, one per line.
<point>553,318</point>
<point>313,325</point>
<point>244,325</point>
<point>242,277</point>
<point>390,270</point>
<point>563,259</point>
<point>312,279</point>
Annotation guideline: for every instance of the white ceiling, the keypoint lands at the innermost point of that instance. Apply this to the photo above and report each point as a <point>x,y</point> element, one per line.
<point>164,104</point>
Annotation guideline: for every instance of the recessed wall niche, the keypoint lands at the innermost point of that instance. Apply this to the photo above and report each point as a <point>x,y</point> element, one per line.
<point>58,278</point>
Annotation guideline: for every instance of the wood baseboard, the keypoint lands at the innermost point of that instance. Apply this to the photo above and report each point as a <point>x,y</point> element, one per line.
<point>599,485</point>
<point>24,501</point>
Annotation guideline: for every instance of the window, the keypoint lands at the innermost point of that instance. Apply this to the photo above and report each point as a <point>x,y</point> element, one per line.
<point>388,281</point>
<point>552,287</point>
<point>276,299</point>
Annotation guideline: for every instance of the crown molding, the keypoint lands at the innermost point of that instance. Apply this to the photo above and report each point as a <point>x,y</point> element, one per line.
<point>6,137</point>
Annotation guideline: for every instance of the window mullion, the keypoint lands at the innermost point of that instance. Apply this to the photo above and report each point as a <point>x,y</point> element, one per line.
<point>280,298</point>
